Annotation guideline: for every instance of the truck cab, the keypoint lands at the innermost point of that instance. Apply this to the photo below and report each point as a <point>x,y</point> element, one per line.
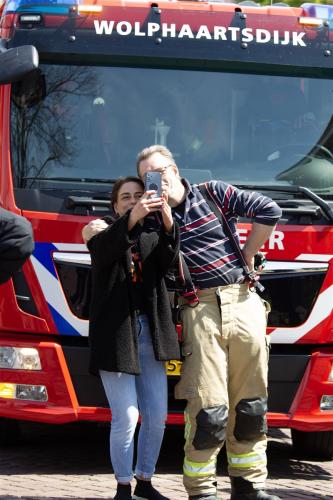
<point>237,92</point>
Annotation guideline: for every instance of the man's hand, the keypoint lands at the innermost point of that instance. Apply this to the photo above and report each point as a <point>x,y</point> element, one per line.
<point>94,227</point>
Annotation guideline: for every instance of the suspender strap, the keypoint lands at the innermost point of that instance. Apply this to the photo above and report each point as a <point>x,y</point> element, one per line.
<point>215,207</point>
<point>189,290</point>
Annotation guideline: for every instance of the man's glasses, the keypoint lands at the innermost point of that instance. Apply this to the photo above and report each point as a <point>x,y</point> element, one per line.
<point>163,169</point>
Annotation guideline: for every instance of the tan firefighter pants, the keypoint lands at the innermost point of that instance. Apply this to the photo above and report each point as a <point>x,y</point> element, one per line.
<point>224,380</point>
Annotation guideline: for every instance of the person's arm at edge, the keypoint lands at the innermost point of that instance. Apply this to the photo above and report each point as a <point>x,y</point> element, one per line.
<point>16,243</point>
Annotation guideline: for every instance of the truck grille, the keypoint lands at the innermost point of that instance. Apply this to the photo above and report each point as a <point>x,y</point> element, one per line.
<point>286,370</point>
<point>291,292</point>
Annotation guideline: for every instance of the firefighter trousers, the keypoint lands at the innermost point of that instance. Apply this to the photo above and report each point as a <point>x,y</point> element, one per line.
<point>224,380</point>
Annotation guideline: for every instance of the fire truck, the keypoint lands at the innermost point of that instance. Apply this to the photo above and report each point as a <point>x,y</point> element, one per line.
<point>238,92</point>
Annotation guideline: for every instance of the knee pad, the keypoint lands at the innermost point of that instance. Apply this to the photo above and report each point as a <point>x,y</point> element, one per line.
<point>250,421</point>
<point>211,427</point>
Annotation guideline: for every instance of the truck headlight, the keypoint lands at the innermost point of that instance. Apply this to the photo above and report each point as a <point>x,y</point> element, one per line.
<point>23,391</point>
<point>19,358</point>
<point>326,402</point>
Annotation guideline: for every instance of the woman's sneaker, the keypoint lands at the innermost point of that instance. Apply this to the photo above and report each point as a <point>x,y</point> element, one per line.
<point>123,492</point>
<point>144,490</point>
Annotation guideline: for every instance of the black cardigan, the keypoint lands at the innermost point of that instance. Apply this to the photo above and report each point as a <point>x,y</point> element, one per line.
<point>16,243</point>
<point>113,335</point>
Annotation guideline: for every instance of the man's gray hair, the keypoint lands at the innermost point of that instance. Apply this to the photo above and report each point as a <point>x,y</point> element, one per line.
<point>147,152</point>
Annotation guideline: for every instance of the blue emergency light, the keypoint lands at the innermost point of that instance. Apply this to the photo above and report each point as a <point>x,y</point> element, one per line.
<point>317,10</point>
<point>43,6</point>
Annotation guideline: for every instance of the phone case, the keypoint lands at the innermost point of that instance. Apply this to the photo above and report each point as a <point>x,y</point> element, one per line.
<point>153,181</point>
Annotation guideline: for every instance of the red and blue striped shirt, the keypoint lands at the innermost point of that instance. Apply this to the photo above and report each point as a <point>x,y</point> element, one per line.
<point>207,249</point>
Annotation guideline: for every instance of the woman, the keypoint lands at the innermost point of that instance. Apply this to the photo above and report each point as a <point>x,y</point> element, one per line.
<point>131,331</point>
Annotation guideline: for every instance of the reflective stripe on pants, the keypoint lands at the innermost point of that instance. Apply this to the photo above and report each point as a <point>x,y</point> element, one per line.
<point>197,469</point>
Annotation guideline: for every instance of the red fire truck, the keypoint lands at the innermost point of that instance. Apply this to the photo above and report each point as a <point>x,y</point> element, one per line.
<point>238,92</point>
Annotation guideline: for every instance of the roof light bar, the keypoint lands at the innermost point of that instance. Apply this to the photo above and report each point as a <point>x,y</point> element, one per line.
<point>310,21</point>
<point>89,8</point>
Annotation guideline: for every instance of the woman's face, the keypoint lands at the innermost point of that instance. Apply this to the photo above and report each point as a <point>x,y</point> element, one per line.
<point>128,196</point>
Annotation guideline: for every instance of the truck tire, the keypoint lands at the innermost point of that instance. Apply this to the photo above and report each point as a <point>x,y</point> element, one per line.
<point>313,444</point>
<point>10,432</point>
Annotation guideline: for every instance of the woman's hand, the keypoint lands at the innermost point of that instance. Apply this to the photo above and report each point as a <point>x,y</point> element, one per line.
<point>166,214</point>
<point>94,227</point>
<point>144,206</point>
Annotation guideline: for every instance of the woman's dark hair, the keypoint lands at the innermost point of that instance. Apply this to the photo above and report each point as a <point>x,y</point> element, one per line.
<point>119,183</point>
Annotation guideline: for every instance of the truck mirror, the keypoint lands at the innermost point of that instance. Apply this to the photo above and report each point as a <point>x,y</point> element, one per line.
<point>17,62</point>
<point>30,90</point>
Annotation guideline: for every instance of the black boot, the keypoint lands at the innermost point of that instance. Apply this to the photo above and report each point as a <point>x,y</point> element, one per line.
<point>241,489</point>
<point>123,492</point>
<point>144,490</point>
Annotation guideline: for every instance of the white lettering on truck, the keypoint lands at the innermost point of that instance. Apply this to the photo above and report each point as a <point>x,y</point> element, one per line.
<point>275,241</point>
<point>230,33</point>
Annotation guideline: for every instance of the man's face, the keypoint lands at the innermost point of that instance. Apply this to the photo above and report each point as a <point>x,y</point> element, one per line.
<point>159,163</point>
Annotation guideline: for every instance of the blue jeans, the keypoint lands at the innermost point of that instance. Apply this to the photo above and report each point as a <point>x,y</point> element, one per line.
<point>127,394</point>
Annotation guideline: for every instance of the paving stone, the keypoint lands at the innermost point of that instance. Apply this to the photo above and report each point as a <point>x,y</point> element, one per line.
<point>72,462</point>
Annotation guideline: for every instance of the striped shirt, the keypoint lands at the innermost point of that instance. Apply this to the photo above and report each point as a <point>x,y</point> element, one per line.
<point>207,250</point>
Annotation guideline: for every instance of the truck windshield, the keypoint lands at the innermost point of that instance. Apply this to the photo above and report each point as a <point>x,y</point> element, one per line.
<point>91,122</point>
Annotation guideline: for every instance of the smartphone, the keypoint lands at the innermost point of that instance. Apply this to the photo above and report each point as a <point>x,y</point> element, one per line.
<point>153,181</point>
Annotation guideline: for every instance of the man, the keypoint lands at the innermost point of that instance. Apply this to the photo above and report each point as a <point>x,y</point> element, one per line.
<point>16,243</point>
<point>224,374</point>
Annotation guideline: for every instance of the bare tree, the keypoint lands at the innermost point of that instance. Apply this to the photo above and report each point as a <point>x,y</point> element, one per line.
<point>43,133</point>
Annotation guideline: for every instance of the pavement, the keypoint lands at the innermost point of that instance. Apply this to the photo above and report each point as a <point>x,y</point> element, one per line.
<point>72,461</point>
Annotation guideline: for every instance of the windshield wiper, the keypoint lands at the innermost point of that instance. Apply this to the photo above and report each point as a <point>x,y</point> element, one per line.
<point>72,179</point>
<point>310,195</point>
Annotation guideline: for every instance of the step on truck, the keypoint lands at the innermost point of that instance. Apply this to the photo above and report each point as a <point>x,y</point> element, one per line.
<point>238,92</point>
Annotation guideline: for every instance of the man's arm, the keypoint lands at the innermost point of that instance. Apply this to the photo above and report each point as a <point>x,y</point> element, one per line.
<point>257,237</point>
<point>263,211</point>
